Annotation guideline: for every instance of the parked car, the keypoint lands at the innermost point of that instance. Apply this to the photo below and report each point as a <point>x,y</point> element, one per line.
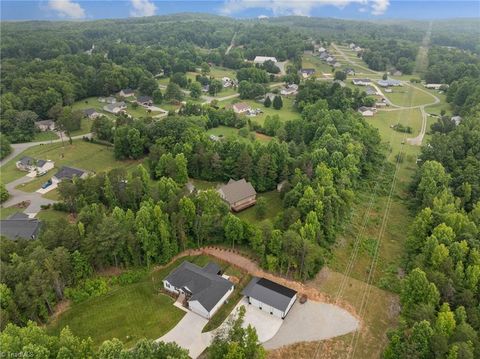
<point>47,184</point>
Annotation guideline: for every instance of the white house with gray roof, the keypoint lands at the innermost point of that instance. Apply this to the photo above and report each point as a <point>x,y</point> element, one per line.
<point>36,167</point>
<point>204,289</point>
<point>269,296</point>
<point>115,108</point>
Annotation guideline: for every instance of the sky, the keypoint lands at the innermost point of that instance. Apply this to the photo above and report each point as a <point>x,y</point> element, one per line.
<point>345,9</point>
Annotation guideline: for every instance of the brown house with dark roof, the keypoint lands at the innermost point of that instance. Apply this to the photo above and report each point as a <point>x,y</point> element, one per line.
<point>238,194</point>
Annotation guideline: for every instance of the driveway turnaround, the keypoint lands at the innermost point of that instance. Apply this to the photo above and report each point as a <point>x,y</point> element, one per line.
<point>188,334</point>
<point>16,196</point>
<point>267,325</point>
<point>312,321</point>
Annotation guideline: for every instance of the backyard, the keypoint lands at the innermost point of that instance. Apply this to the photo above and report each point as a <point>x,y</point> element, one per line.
<point>408,96</point>
<point>274,206</point>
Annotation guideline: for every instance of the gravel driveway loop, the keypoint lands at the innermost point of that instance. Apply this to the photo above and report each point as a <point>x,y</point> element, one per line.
<point>312,321</point>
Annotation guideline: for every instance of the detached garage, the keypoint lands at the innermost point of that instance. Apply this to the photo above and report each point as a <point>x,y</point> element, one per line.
<point>269,296</point>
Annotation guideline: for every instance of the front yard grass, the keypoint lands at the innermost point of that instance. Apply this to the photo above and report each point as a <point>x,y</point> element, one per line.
<point>408,96</point>
<point>80,154</point>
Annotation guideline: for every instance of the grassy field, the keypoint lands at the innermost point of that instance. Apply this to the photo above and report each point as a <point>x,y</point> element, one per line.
<point>230,132</point>
<point>85,127</point>
<point>80,154</point>
<point>274,206</point>
<point>220,72</point>
<point>408,96</point>
<point>45,136</point>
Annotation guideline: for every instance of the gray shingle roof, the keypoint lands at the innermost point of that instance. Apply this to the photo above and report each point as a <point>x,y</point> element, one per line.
<point>235,191</point>
<point>69,172</point>
<point>28,161</point>
<point>19,225</point>
<point>206,287</point>
<point>144,99</point>
<point>270,293</point>
<point>89,111</point>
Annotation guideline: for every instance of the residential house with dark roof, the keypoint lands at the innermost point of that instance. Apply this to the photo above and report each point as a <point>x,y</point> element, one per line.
<point>202,290</point>
<point>20,226</point>
<point>68,173</point>
<point>116,107</point>
<point>367,111</point>
<point>91,113</point>
<point>269,296</point>
<point>238,194</point>
<point>145,101</point>
<point>307,72</point>
<point>389,82</point>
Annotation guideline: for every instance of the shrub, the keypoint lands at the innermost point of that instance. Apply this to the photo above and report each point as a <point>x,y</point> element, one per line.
<point>87,289</point>
<point>129,277</point>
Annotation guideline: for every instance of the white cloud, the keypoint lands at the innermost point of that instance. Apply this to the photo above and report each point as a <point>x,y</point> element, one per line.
<point>67,8</point>
<point>379,6</point>
<point>143,8</point>
<point>301,7</point>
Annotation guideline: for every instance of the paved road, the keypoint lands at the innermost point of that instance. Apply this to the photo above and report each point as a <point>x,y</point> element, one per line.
<point>18,148</point>
<point>346,58</point>
<point>16,196</point>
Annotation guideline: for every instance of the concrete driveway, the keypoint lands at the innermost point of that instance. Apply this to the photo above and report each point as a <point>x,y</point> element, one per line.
<point>188,334</point>
<point>267,325</point>
<point>17,196</point>
<point>312,321</point>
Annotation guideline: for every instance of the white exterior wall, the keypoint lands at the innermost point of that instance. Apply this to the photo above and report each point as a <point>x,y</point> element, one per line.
<point>269,309</point>
<point>196,307</point>
<point>169,287</point>
<point>47,166</point>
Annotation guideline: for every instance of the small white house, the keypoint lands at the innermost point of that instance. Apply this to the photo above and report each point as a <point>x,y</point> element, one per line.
<point>203,290</point>
<point>361,82</point>
<point>115,107</point>
<point>45,125</point>
<point>35,167</point>
<point>270,297</point>
<point>367,111</point>
<point>241,107</point>
<point>262,59</point>
<point>127,93</point>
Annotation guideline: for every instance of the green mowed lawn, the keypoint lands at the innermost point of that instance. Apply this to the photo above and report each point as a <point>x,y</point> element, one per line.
<point>128,313</point>
<point>231,132</point>
<point>45,136</point>
<point>310,61</point>
<point>134,311</point>
<point>274,206</point>
<point>51,215</point>
<point>408,96</point>
<point>383,120</point>
<point>286,113</point>
<point>220,72</point>
<point>204,185</point>
<point>80,154</point>
<point>8,211</point>
<point>85,127</point>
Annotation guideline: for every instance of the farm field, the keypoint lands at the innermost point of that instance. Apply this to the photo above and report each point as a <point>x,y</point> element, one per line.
<point>80,154</point>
